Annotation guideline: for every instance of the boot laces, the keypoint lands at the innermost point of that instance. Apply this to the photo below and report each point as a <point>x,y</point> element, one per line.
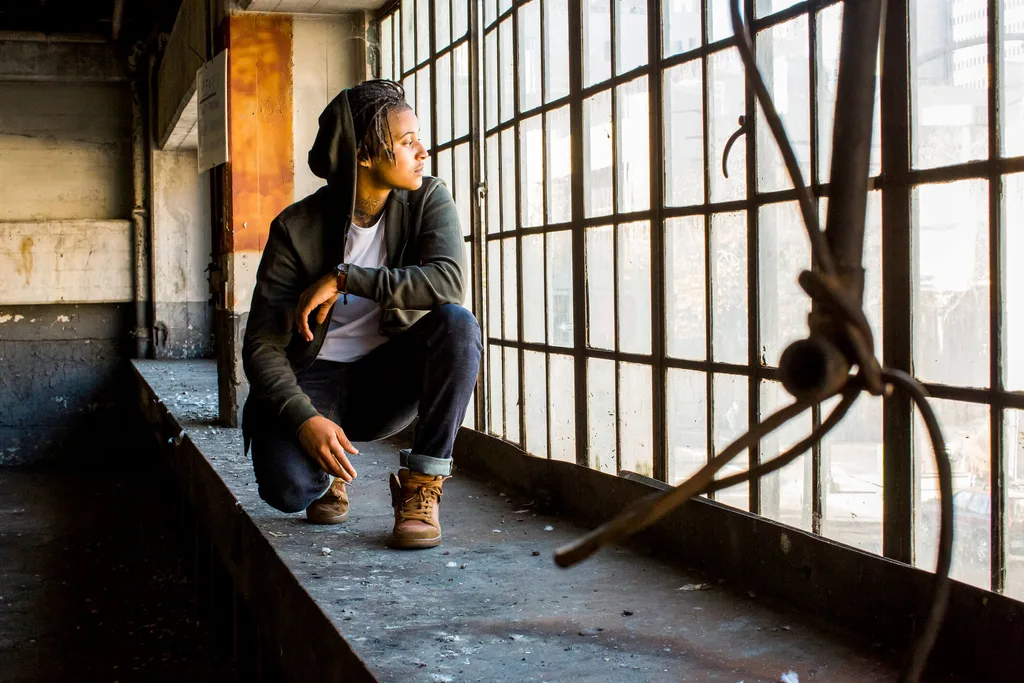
<point>420,505</point>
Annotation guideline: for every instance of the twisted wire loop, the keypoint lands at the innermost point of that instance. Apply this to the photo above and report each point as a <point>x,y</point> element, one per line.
<point>850,326</point>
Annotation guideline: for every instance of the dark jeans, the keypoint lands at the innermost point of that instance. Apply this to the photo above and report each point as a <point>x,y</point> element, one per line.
<point>430,371</point>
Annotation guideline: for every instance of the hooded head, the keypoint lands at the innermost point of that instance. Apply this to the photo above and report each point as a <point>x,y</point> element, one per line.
<point>369,128</point>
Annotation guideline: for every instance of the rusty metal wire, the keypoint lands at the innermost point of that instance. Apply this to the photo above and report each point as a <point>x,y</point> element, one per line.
<point>854,334</point>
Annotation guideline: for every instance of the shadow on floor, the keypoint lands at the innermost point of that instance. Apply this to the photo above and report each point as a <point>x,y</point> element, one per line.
<point>90,585</point>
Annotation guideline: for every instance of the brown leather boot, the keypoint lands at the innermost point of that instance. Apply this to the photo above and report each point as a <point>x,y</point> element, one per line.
<point>330,508</point>
<point>416,498</point>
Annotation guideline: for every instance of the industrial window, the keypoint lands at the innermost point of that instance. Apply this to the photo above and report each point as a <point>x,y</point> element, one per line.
<point>637,286</point>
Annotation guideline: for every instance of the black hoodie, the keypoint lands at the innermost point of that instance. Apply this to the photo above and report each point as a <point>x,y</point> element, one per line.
<point>426,268</point>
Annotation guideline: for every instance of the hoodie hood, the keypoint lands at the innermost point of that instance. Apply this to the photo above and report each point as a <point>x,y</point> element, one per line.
<point>333,155</point>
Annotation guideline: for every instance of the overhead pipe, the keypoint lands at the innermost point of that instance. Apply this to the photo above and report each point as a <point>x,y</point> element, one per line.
<point>140,210</point>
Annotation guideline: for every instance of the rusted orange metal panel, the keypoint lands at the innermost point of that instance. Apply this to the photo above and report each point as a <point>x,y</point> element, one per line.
<point>262,172</point>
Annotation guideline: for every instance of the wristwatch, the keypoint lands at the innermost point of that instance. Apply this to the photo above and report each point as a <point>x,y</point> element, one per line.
<point>341,273</point>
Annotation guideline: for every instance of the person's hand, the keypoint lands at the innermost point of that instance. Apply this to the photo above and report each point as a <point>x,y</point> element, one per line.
<point>322,293</point>
<point>326,443</point>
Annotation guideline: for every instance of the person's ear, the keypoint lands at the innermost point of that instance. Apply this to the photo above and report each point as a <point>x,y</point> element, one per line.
<point>364,160</point>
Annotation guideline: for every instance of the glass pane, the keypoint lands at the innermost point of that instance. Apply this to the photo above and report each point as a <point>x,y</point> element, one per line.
<point>634,273</point>
<point>461,114</point>
<point>535,381</point>
<point>408,35</point>
<point>719,21</point>
<point>533,288</point>
<point>397,45</point>
<point>529,56</point>
<point>951,299</point>
<point>558,166</point>
<point>444,99</point>
<point>469,420</point>
<point>467,250</point>
<point>948,82</point>
<point>1011,78</point>
<point>965,427</point>
<point>423,105</point>
<point>785,494</point>
<point>783,59</point>
<point>556,49</point>
<point>685,319</point>
<point>1013,519</point>
<point>632,152</point>
<point>559,283</point>
<point>830,22</point>
<point>680,29</point>
<point>504,6</point>
<point>490,11</point>
<point>597,42</point>
<point>729,287</point>
<point>730,419</point>
<point>687,423</point>
<point>851,474</point>
<point>508,179</point>
<point>763,8</point>
<point>494,289</point>
<point>460,18</point>
<point>410,89</point>
<point>496,398</point>
<point>491,91</point>
<point>463,188</point>
<point>600,289</point>
<point>601,414</point>
<point>443,168</point>
<point>563,407</point>
<point>442,24</point>
<point>387,57</point>
<point>510,292</point>
<point>422,30</point>
<point>531,172</point>
<point>684,135</point>
<point>636,428</point>
<point>597,154</point>
<point>512,395</point>
<point>507,74</point>
<point>630,34</point>
<point>1013,281</point>
<point>783,251</point>
<point>493,185</point>
<point>725,93</point>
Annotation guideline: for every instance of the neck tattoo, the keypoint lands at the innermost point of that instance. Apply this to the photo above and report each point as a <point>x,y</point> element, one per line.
<point>367,212</point>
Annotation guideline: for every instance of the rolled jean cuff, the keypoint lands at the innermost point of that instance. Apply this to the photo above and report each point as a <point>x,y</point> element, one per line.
<point>425,464</point>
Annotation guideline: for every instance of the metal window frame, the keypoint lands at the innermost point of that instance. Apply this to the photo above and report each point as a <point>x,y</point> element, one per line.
<point>896,182</point>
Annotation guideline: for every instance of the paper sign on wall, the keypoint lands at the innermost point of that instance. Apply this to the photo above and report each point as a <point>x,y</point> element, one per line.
<point>211,90</point>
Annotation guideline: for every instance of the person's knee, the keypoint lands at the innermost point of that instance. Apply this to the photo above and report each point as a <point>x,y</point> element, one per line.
<point>460,326</point>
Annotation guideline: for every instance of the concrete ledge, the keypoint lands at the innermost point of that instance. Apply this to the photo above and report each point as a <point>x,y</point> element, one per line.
<point>489,605</point>
<point>31,57</point>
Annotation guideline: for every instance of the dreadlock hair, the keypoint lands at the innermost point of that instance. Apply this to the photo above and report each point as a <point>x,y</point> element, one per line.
<point>371,103</point>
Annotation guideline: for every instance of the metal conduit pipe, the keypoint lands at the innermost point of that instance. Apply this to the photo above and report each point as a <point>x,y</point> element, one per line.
<point>140,210</point>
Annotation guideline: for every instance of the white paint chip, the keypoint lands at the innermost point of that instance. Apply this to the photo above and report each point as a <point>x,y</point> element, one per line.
<point>789,677</point>
<point>63,319</point>
<point>549,528</point>
<point>18,318</point>
<point>325,551</point>
<point>452,565</point>
<point>5,318</point>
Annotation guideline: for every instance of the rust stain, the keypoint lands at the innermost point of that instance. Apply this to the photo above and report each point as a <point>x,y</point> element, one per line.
<point>27,260</point>
<point>262,172</point>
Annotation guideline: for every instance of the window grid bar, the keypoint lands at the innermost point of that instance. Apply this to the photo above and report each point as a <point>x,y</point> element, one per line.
<point>542,8</point>
<point>656,161</point>
<point>753,298</point>
<point>997,482</point>
<point>817,494</point>
<point>517,193</point>
<point>708,298</point>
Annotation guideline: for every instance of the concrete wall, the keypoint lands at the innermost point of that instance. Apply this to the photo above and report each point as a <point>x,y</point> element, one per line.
<point>182,252</point>
<point>176,77</point>
<point>65,247</point>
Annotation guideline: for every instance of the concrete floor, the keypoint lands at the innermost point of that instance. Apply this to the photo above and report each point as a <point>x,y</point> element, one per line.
<point>490,605</point>
<point>89,583</point>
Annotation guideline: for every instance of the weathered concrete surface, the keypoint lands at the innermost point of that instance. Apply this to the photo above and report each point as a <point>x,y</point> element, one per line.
<point>42,59</point>
<point>182,253</point>
<point>176,76</point>
<point>65,151</point>
<point>62,386</point>
<point>65,261</point>
<point>90,588</point>
<point>487,605</point>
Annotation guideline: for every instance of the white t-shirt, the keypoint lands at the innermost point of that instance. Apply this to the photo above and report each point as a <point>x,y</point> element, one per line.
<point>355,327</point>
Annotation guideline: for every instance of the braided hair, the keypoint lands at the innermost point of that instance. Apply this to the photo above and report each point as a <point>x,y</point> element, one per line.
<point>372,103</point>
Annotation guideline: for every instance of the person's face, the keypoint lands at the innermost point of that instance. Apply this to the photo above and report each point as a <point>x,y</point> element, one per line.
<point>406,172</point>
